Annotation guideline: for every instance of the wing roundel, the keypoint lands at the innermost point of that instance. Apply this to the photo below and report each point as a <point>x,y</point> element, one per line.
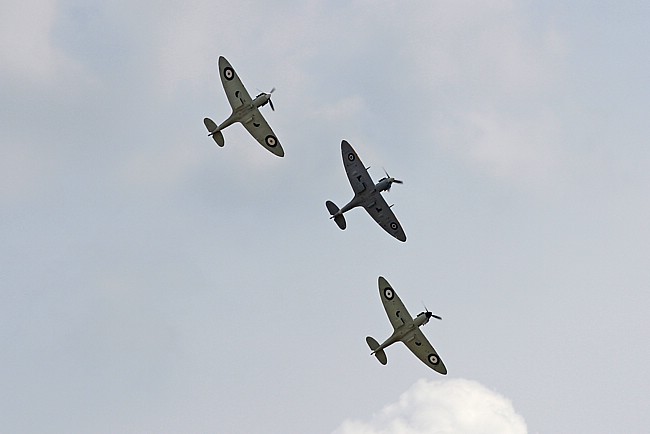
<point>262,132</point>
<point>422,348</point>
<point>235,90</point>
<point>358,176</point>
<point>384,216</point>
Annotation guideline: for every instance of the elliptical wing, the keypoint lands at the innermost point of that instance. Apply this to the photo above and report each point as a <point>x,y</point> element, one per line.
<point>395,309</point>
<point>420,346</point>
<point>235,90</point>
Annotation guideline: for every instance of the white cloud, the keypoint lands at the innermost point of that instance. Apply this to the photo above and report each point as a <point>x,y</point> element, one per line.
<point>189,40</point>
<point>479,44</point>
<point>507,146</point>
<point>484,69</point>
<point>27,48</point>
<point>164,169</point>
<point>341,110</point>
<point>447,406</point>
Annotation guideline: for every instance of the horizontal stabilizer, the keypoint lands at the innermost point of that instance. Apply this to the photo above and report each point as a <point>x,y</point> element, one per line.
<point>212,129</point>
<point>210,125</point>
<point>340,221</point>
<point>338,218</point>
<point>381,355</point>
<point>218,138</point>
<point>331,207</point>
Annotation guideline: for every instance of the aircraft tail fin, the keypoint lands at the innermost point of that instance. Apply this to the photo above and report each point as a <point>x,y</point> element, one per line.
<point>381,355</point>
<point>216,135</point>
<point>338,218</point>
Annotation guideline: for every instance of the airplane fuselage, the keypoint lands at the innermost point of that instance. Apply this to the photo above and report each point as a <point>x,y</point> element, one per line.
<point>384,184</point>
<point>361,198</point>
<point>402,333</point>
<point>244,113</point>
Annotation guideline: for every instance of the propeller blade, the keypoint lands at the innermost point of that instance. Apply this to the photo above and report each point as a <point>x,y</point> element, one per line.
<point>271,102</point>
<point>429,314</point>
<point>398,181</point>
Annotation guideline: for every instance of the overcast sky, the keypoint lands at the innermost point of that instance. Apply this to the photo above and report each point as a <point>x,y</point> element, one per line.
<point>153,282</point>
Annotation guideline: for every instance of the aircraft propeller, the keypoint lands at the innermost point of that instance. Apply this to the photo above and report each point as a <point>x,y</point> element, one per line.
<point>271,102</point>
<point>397,181</point>
<point>429,314</point>
<point>269,95</point>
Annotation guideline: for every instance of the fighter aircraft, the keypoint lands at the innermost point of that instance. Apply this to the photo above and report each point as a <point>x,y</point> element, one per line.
<point>366,194</point>
<point>406,329</point>
<point>244,110</point>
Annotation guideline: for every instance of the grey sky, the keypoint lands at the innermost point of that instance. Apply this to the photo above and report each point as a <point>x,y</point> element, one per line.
<point>152,282</point>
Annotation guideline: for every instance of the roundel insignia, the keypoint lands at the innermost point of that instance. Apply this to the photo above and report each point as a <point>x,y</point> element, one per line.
<point>393,226</point>
<point>229,73</point>
<point>271,141</point>
<point>351,156</point>
<point>388,293</point>
<point>433,359</point>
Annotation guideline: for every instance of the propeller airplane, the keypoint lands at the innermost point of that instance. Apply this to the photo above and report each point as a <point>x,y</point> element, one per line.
<point>244,110</point>
<point>406,330</point>
<point>366,194</point>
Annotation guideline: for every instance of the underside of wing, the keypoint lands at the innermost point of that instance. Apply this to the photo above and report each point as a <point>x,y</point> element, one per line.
<point>382,214</point>
<point>262,132</point>
<point>359,178</point>
<point>395,309</point>
<point>235,90</point>
<point>420,346</point>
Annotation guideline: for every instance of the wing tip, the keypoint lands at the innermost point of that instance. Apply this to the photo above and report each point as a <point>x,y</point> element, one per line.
<point>400,236</point>
<point>278,152</point>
